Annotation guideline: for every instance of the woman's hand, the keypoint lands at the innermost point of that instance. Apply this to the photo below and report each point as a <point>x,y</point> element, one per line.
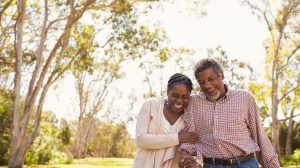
<point>187,137</point>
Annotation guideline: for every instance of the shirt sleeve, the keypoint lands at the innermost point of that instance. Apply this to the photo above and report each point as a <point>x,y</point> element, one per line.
<point>190,125</point>
<point>266,156</point>
<point>144,139</point>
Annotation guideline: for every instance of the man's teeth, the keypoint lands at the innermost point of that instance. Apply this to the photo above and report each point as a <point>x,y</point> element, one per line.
<point>211,91</point>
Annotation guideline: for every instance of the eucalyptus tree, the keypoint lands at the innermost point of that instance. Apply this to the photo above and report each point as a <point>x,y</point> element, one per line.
<point>282,57</point>
<point>35,36</point>
<point>99,65</point>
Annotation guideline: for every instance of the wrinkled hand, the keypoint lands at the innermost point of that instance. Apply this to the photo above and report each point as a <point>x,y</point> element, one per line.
<point>187,137</point>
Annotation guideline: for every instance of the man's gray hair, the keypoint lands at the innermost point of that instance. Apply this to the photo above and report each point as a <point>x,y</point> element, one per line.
<point>206,63</point>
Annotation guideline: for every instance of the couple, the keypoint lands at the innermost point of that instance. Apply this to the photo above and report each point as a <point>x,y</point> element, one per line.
<point>219,128</point>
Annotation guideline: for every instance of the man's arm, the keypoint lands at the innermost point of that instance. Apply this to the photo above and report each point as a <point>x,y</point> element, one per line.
<point>188,151</point>
<point>190,127</point>
<point>266,156</point>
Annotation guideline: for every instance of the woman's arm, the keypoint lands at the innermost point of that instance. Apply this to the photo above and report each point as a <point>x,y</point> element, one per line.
<point>145,140</point>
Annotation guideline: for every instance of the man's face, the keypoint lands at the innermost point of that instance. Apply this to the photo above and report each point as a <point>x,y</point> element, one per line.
<point>211,83</point>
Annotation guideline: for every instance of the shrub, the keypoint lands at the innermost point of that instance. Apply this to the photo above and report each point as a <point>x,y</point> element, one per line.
<point>291,160</point>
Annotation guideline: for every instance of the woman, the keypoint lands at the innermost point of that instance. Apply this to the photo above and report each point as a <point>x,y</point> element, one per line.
<point>160,127</point>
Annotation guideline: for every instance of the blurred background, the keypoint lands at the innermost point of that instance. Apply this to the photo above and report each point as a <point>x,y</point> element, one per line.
<point>74,73</point>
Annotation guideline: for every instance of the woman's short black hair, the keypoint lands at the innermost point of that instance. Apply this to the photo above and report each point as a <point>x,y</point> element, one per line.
<point>208,63</point>
<point>179,78</point>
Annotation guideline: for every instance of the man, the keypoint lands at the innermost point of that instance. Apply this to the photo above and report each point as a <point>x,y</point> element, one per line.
<point>227,123</point>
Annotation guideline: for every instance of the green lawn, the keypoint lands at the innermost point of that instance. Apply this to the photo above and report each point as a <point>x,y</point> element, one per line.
<point>97,163</point>
<point>92,163</point>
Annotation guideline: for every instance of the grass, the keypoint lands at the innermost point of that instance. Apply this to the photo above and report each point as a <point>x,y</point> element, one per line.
<point>97,163</point>
<point>91,163</point>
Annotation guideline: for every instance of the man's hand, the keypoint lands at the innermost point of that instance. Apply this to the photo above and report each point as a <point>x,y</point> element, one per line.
<point>187,137</point>
<point>186,160</point>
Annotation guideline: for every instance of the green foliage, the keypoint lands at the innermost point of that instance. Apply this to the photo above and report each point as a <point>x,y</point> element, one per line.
<point>46,147</point>
<point>129,40</point>
<point>111,140</point>
<point>291,160</point>
<point>6,102</point>
<point>260,91</point>
<point>163,54</point>
<point>65,135</point>
<point>295,136</point>
<point>82,49</point>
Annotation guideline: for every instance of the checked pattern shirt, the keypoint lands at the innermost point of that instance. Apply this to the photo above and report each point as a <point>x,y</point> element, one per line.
<point>228,128</point>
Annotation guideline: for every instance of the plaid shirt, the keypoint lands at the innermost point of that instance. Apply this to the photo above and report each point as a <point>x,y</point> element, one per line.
<point>228,127</point>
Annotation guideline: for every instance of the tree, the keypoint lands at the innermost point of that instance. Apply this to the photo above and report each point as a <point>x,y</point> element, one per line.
<point>40,32</point>
<point>65,135</point>
<point>237,73</point>
<point>289,106</point>
<point>7,18</point>
<point>282,59</point>
<point>96,67</point>
<point>110,140</point>
<point>46,146</point>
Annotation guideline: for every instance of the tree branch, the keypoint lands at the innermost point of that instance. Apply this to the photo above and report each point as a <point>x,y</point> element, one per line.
<point>39,53</point>
<point>5,6</point>
<point>293,116</point>
<point>18,65</point>
<point>289,57</point>
<point>284,95</point>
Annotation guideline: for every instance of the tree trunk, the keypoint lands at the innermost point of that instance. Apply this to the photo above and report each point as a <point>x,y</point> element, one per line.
<point>79,145</point>
<point>288,146</point>
<point>82,136</point>
<point>275,137</point>
<point>275,129</point>
<point>17,149</point>
<point>17,152</point>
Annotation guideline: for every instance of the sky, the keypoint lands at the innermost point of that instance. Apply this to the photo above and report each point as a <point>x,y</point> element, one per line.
<point>228,24</point>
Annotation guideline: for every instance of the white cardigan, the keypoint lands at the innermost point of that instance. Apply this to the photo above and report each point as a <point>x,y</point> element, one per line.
<point>156,149</point>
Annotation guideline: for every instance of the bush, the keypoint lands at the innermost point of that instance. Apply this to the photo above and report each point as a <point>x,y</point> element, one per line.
<point>61,158</point>
<point>291,160</point>
<point>6,103</point>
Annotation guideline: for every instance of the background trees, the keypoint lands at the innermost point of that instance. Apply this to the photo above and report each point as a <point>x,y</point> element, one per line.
<point>92,42</point>
<point>6,101</point>
<point>282,62</point>
<point>39,43</point>
<point>40,34</point>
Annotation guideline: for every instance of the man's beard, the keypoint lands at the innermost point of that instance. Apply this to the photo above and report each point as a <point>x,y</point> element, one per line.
<point>215,97</point>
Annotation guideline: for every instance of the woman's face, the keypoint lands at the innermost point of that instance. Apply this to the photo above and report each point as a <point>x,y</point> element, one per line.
<point>178,97</point>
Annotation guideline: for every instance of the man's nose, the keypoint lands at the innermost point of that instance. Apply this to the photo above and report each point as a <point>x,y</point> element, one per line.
<point>207,85</point>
